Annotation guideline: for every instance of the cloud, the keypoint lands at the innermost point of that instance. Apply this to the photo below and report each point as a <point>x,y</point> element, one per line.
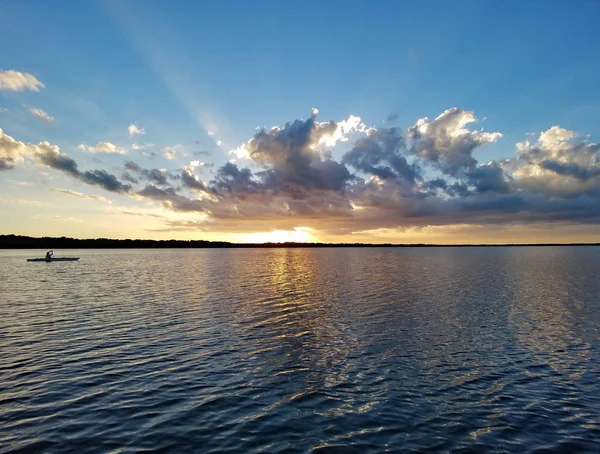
<point>292,158</point>
<point>10,151</point>
<point>141,146</point>
<point>169,152</point>
<point>428,177</point>
<point>156,176</point>
<point>133,130</point>
<point>18,81</point>
<point>557,165</point>
<point>102,147</point>
<point>381,154</point>
<point>190,181</point>
<point>49,155</point>
<point>170,199</point>
<point>20,201</point>
<point>182,226</point>
<point>81,195</point>
<point>380,178</point>
<point>446,141</point>
<point>56,217</point>
<point>40,114</point>
<point>392,117</point>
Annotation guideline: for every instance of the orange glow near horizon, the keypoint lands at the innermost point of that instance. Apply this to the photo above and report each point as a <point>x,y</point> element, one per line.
<point>298,235</point>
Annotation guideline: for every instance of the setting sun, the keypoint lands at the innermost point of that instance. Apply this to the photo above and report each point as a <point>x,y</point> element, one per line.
<point>298,235</point>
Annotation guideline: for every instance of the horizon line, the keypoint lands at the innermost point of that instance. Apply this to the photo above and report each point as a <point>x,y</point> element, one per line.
<point>30,242</point>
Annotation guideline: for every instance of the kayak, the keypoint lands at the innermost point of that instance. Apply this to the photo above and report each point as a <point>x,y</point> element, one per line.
<point>55,259</point>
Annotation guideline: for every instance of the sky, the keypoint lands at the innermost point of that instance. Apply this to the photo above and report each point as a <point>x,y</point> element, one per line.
<point>355,121</point>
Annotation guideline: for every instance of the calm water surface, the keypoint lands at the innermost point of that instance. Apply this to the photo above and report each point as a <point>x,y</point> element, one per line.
<point>298,350</point>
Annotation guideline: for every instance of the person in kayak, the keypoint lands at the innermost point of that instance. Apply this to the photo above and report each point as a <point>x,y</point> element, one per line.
<point>49,255</point>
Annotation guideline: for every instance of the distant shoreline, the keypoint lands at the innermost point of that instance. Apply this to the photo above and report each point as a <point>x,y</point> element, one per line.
<point>27,242</point>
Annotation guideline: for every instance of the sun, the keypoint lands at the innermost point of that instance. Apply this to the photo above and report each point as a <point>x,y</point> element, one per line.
<point>298,235</point>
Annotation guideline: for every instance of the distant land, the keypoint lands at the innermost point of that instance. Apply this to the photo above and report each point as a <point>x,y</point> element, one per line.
<point>27,242</point>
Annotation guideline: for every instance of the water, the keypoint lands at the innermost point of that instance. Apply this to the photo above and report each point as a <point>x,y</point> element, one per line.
<point>270,350</point>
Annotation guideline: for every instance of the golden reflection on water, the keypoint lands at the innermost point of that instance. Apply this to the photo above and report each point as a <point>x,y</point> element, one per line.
<point>541,310</point>
<point>465,344</point>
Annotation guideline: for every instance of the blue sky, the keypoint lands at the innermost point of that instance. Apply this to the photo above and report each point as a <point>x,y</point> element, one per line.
<point>183,69</point>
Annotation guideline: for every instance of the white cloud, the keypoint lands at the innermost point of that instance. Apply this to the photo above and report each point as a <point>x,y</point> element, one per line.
<point>169,152</point>
<point>210,133</point>
<point>558,164</point>
<point>345,127</point>
<point>56,217</point>
<point>39,113</point>
<point>19,183</point>
<point>102,147</point>
<point>20,201</point>
<point>11,151</point>
<point>133,130</point>
<point>326,133</point>
<point>18,81</point>
<point>81,195</point>
<point>141,146</point>
<point>446,140</point>
<point>193,165</point>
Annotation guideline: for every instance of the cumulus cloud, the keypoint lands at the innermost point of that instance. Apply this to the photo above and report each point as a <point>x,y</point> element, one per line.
<point>10,151</point>
<point>189,179</point>
<point>18,81</point>
<point>41,115</point>
<point>381,178</point>
<point>102,147</point>
<point>447,142</point>
<point>292,159</point>
<point>381,154</point>
<point>558,165</point>
<point>134,130</point>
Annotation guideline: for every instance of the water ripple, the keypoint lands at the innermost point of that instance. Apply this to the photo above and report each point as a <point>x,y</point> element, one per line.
<point>299,350</point>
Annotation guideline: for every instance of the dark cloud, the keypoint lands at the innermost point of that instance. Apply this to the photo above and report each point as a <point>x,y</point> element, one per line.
<point>132,166</point>
<point>50,156</point>
<point>172,200</point>
<point>488,178</point>
<point>190,181</point>
<point>380,154</point>
<point>292,158</point>
<point>234,180</point>
<point>105,180</point>
<point>155,176</point>
<point>6,163</point>
<point>128,177</point>
<point>570,169</point>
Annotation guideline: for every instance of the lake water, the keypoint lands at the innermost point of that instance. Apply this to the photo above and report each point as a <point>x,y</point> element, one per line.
<point>294,350</point>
